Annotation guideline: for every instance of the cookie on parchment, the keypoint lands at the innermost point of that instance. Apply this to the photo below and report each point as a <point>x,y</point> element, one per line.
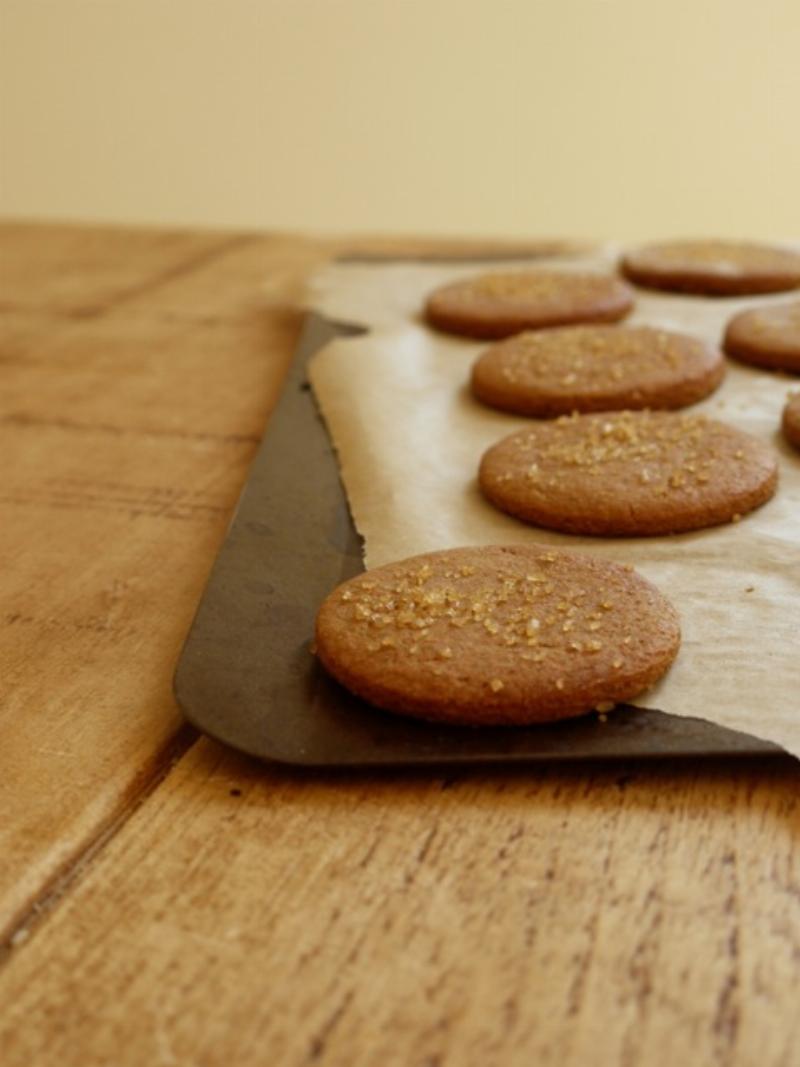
<point>713,268</point>
<point>596,368</point>
<point>766,337</point>
<point>628,474</point>
<point>791,420</point>
<point>501,304</point>
<point>500,635</point>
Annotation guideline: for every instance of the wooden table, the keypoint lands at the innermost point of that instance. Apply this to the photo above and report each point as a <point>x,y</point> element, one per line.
<point>165,901</point>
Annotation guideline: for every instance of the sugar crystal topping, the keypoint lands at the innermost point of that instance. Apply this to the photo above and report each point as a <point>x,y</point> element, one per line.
<point>542,611</point>
<point>586,356</point>
<point>665,452</point>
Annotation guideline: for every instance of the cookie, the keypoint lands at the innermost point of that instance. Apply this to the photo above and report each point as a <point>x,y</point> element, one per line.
<point>791,420</point>
<point>502,304</point>
<point>713,268</point>
<point>766,337</point>
<point>596,368</point>
<point>628,474</point>
<point>497,635</point>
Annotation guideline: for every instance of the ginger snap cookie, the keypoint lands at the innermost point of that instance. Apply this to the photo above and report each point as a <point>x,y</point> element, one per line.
<point>766,337</point>
<point>791,420</point>
<point>596,368</point>
<point>500,635</point>
<point>713,268</point>
<point>502,304</point>
<point>628,474</point>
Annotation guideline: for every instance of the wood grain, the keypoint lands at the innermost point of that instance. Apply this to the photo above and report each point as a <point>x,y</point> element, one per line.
<point>570,917</point>
<point>82,270</point>
<point>125,436</point>
<point>138,368</point>
<point>165,902</point>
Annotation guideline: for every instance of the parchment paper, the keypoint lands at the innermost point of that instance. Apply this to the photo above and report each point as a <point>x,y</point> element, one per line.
<point>409,438</point>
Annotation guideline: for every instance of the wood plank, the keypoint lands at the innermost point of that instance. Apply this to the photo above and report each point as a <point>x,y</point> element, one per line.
<point>125,437</point>
<point>81,270</point>
<point>587,915</point>
<point>139,368</point>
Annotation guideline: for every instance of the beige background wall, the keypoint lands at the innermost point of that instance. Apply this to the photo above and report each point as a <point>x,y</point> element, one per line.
<point>583,117</point>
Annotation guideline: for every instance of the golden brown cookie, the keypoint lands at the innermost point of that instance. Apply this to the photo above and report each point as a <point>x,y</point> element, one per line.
<point>713,268</point>
<point>766,337</point>
<point>629,473</point>
<point>497,635</point>
<point>502,304</point>
<point>791,420</point>
<point>596,368</point>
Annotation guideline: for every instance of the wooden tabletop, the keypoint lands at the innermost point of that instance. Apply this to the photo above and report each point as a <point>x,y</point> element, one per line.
<point>164,901</point>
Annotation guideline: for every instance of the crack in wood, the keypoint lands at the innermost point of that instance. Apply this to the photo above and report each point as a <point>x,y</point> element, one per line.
<point>23,420</point>
<point>179,270</point>
<point>320,1039</point>
<point>22,927</point>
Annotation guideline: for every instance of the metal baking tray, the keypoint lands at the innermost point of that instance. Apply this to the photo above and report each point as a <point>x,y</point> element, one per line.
<point>248,678</point>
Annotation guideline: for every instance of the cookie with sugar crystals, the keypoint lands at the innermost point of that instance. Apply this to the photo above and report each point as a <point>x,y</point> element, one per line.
<point>791,420</point>
<point>504,303</point>
<point>713,268</point>
<point>629,473</point>
<point>499,635</point>
<point>596,368</point>
<point>766,337</point>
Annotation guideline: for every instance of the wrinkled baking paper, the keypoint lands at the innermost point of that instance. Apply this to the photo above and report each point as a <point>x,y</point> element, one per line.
<point>409,438</point>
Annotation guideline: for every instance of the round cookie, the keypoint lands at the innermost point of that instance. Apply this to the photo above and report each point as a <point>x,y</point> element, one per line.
<point>502,304</point>
<point>500,635</point>
<point>791,420</point>
<point>629,474</point>
<point>596,368</point>
<point>766,337</point>
<point>713,268</point>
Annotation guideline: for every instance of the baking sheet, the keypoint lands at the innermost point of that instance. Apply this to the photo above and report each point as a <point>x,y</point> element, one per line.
<point>409,437</point>
<point>247,676</point>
